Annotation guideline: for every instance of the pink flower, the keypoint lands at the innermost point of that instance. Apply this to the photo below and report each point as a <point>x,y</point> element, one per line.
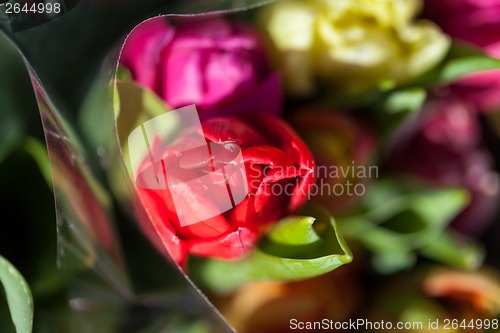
<point>443,148</point>
<point>475,22</point>
<point>481,89</point>
<point>218,65</point>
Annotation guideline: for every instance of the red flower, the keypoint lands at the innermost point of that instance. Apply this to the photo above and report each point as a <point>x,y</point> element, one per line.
<point>279,170</point>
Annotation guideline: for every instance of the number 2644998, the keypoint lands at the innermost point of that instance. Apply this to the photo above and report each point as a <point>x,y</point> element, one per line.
<point>473,324</point>
<point>35,8</point>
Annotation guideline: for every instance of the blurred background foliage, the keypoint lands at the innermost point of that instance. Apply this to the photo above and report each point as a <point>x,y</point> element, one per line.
<point>28,235</point>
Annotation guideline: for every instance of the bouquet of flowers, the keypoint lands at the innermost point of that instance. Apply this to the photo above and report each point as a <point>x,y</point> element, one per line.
<point>301,166</point>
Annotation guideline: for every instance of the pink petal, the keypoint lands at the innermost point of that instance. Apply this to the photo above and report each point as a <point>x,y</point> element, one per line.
<point>227,76</point>
<point>142,51</point>
<point>183,77</point>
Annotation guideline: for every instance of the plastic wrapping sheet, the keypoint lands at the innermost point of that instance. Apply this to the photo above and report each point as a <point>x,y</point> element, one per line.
<point>72,60</point>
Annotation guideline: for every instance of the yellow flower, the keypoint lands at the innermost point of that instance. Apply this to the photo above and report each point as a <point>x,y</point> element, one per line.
<point>350,45</point>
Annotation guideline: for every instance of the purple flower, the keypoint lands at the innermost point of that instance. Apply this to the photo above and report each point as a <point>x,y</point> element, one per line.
<point>218,65</point>
<point>443,148</point>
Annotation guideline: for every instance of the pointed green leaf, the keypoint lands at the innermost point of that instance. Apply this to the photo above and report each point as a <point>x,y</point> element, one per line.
<point>455,250</point>
<point>136,105</point>
<point>392,262</point>
<point>405,101</point>
<point>133,105</point>
<point>294,231</point>
<point>296,248</point>
<point>18,296</point>
<point>396,108</point>
<point>399,220</point>
<point>464,59</point>
<point>38,151</point>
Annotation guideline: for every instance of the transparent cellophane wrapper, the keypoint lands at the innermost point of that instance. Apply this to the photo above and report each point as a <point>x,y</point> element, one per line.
<point>116,280</point>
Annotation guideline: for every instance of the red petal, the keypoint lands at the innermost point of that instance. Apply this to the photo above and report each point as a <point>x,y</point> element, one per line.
<point>212,227</point>
<point>279,174</point>
<point>268,155</point>
<point>230,129</point>
<point>230,247</point>
<point>244,213</point>
<point>160,224</point>
<point>283,136</point>
<point>262,196</point>
<point>300,193</point>
<point>255,175</point>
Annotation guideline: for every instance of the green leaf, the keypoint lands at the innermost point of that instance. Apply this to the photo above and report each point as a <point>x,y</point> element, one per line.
<point>390,262</point>
<point>298,247</point>
<point>399,103</point>
<point>133,105</point>
<point>397,107</point>
<point>136,106</point>
<point>464,59</point>
<point>294,231</point>
<point>123,74</point>
<point>18,296</point>
<point>38,151</point>
<point>405,101</point>
<point>97,109</point>
<point>455,250</point>
<point>399,219</point>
